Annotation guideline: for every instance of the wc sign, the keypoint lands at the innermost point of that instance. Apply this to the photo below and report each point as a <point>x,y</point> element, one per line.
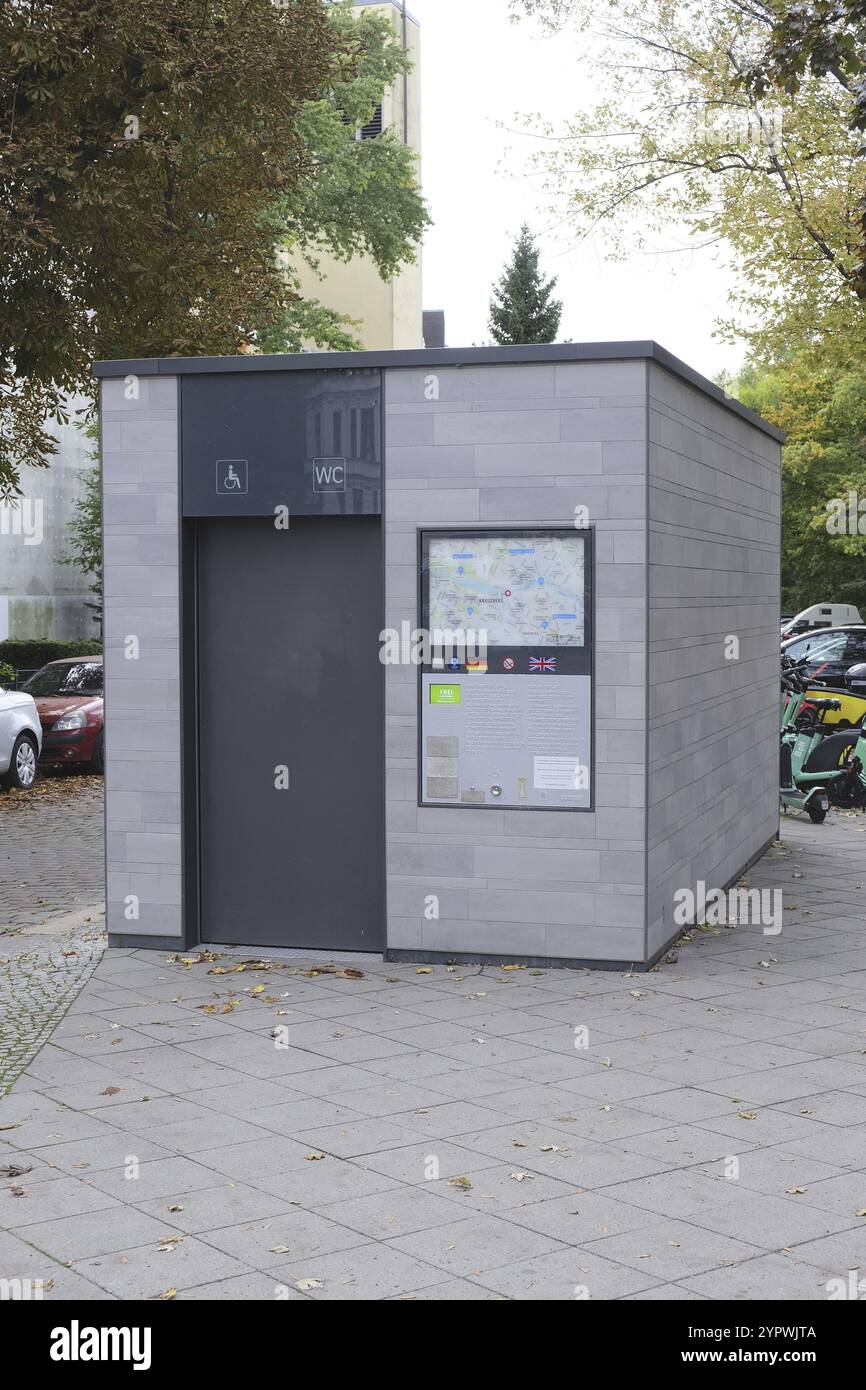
<point>329,475</point>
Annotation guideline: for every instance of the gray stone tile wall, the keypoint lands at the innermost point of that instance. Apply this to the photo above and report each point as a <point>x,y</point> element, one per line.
<point>524,444</point>
<point>714,576</point>
<point>142,708</point>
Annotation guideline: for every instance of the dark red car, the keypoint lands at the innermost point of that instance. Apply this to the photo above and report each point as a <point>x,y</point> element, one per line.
<point>68,695</point>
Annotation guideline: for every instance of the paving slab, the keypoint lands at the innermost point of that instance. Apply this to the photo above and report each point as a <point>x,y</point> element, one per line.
<point>440,1136</point>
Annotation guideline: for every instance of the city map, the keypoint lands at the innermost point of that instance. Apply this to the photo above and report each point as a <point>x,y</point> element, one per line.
<point>524,591</point>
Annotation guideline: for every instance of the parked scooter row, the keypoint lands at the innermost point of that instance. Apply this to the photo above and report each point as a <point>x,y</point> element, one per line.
<point>819,764</point>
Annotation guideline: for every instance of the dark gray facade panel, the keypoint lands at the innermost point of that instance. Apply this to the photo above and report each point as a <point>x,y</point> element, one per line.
<point>309,442</point>
<point>289,678</point>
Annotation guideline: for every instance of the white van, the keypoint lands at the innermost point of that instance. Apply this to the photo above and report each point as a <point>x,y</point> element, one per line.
<point>821,615</point>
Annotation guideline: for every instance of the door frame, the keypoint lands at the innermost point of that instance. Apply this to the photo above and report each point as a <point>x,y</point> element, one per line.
<point>190,787</point>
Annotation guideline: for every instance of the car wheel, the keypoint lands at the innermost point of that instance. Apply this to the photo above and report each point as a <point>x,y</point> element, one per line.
<point>97,762</point>
<point>22,768</point>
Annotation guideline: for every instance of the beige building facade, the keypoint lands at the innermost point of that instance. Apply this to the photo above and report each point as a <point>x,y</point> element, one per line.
<point>389,313</point>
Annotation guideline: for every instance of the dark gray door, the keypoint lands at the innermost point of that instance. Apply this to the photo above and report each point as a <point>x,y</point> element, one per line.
<point>289,676</point>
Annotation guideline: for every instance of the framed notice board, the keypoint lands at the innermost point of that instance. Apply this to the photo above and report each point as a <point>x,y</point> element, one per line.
<point>506,669</point>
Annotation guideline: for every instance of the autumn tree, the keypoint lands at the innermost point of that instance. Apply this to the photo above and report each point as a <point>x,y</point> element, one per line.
<point>161,165</point>
<point>823,412</point>
<point>684,136</point>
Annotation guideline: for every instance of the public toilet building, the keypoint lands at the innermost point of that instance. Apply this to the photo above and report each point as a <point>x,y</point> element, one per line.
<point>448,655</point>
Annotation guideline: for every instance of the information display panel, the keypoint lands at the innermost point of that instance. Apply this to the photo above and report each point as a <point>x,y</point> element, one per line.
<point>506,678</point>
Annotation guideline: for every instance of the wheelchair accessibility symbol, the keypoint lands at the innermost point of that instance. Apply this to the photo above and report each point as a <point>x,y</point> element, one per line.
<point>231,476</point>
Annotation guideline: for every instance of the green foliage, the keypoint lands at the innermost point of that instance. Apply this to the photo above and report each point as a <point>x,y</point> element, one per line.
<point>86,528</point>
<point>7,673</point>
<point>30,655</point>
<point>360,196</point>
<point>679,138</point>
<point>521,308</point>
<point>823,412</point>
<point>85,534</point>
<point>825,37</point>
<point>153,157</point>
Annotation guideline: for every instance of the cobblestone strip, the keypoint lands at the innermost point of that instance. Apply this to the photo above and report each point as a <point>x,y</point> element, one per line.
<point>36,989</point>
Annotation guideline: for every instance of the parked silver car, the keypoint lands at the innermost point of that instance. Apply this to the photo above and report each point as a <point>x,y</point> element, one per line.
<point>20,739</point>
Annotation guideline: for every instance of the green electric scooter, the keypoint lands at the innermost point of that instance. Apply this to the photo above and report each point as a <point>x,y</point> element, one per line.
<point>804,771</point>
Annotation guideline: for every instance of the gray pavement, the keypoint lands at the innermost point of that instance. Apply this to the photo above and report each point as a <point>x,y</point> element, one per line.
<point>51,908</point>
<point>398,1132</point>
<point>51,848</point>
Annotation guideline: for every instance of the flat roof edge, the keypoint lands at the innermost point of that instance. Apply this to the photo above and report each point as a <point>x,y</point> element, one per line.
<point>640,349</point>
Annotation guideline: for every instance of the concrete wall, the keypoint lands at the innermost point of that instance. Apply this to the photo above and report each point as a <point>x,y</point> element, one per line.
<point>714,501</point>
<point>142,715</point>
<point>40,596</point>
<point>524,444</point>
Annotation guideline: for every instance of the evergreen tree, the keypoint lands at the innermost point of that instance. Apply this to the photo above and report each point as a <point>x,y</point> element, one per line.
<point>521,308</point>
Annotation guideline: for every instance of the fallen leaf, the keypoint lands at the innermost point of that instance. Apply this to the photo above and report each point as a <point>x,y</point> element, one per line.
<point>176,1207</point>
<point>15,1170</point>
<point>462,1183</point>
<point>280,1249</point>
<point>167,1293</point>
<point>747,1115</point>
<point>796,1191</point>
<point>304,1284</point>
<point>313,1157</point>
<point>520,1177</point>
<point>110,1091</point>
<point>227,1008</point>
<point>512,967</point>
<point>424,970</point>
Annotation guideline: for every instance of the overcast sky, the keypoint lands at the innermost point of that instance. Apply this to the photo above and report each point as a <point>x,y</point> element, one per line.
<point>478,70</point>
